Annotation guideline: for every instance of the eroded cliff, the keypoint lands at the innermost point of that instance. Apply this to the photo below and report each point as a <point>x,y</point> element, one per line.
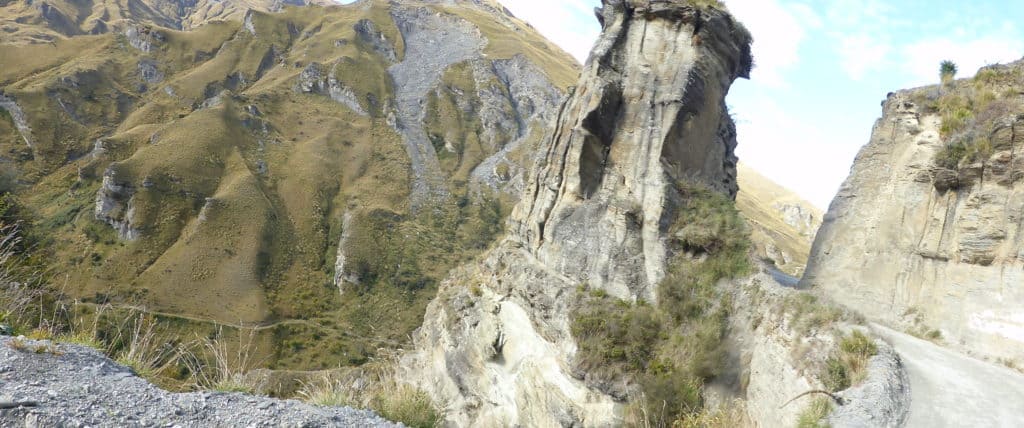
<point>599,218</point>
<point>926,233</point>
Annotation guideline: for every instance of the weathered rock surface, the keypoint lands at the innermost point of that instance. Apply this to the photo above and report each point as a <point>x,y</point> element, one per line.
<point>495,346</point>
<point>114,205</point>
<point>419,72</point>
<point>314,79</point>
<point>76,386</point>
<point>638,123</point>
<point>907,242</point>
<point>774,360</point>
<point>18,117</point>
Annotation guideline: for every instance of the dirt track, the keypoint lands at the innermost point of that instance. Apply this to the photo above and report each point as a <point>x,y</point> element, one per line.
<point>949,389</point>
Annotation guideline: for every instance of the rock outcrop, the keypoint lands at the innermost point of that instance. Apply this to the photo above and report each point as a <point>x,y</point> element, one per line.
<point>927,238</point>
<point>18,117</point>
<point>114,205</point>
<point>648,112</point>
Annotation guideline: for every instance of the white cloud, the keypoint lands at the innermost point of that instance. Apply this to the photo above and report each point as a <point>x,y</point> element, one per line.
<point>920,60</point>
<point>861,53</point>
<point>778,31</point>
<point>810,160</point>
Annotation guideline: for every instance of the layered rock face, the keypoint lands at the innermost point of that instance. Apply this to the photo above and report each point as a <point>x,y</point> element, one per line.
<point>648,111</point>
<point>922,246</point>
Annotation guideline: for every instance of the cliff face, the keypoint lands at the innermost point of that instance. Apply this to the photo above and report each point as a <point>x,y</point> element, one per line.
<point>926,233</point>
<point>648,111</point>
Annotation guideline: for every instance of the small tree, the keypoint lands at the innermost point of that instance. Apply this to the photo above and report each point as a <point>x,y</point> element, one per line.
<point>947,71</point>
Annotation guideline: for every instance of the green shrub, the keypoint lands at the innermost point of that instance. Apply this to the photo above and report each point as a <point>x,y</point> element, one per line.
<point>814,414</point>
<point>947,71</point>
<point>409,406</point>
<point>670,349</point>
<point>849,363</point>
<point>950,155</point>
<point>807,312</point>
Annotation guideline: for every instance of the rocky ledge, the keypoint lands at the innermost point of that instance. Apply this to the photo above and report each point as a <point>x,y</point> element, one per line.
<point>45,384</point>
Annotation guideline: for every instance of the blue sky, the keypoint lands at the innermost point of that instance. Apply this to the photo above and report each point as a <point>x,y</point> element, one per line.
<point>823,68</point>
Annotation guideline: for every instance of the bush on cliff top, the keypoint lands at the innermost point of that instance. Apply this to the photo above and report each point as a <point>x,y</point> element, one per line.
<point>670,349</point>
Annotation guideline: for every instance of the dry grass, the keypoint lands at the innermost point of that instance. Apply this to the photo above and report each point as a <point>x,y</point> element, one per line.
<point>729,415</point>
<point>223,365</point>
<point>140,345</point>
<point>44,347</point>
<point>375,387</point>
<point>848,365</point>
<point>814,414</point>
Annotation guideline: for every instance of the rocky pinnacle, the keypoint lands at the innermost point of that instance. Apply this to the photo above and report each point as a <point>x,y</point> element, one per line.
<point>648,111</point>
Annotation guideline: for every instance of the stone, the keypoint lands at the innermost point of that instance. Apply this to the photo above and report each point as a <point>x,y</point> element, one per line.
<point>591,213</point>
<point>946,248</point>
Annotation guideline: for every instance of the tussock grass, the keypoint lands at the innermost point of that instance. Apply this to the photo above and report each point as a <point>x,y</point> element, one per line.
<point>807,311</point>
<point>729,415</point>
<point>375,387</point>
<point>219,364</point>
<point>848,365</point>
<point>971,112</point>
<point>140,345</point>
<point>814,414</point>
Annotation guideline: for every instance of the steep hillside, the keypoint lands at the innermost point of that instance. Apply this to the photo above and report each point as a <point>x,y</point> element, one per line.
<point>927,234</point>
<point>313,171</point>
<point>782,224</point>
<point>52,20</point>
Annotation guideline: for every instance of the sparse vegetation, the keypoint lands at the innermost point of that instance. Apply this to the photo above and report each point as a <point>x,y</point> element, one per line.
<point>381,393</point>
<point>43,347</point>
<point>847,366</point>
<point>947,72</point>
<point>972,113</point>
<point>671,348</point>
<point>807,311</point>
<point>729,415</point>
<point>814,414</point>
<point>408,405</point>
<point>218,364</point>
<point>141,346</point>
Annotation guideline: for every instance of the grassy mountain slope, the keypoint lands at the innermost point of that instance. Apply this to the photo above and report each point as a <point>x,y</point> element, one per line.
<point>782,224</point>
<point>211,175</point>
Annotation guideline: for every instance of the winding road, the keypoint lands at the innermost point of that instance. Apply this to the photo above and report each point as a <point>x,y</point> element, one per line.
<point>949,389</point>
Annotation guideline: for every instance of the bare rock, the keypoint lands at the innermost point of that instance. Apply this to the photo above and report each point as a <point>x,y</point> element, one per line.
<point>495,344</point>
<point>948,248</point>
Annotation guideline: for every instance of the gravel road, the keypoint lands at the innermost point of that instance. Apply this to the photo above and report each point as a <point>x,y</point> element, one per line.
<point>949,389</point>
